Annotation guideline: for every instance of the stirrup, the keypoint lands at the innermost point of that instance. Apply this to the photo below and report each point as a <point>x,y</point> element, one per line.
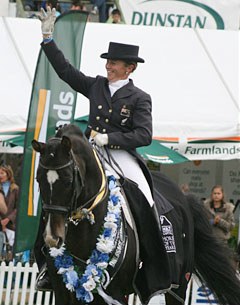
<point>43,282</point>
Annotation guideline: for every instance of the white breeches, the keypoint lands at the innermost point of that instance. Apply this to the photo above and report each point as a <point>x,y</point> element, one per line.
<point>132,171</point>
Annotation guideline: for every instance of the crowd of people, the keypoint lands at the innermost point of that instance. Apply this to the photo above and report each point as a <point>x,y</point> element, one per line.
<point>99,10</point>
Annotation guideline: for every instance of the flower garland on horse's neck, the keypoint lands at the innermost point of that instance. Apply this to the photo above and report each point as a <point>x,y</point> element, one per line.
<point>84,284</point>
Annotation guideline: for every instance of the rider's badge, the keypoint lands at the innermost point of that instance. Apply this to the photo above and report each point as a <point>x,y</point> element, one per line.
<point>125,112</point>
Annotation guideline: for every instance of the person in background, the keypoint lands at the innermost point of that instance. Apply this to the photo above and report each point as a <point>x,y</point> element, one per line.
<point>184,188</point>
<point>191,198</point>
<point>77,5</point>
<point>3,206</point>
<point>30,5</point>
<point>10,191</point>
<point>220,213</point>
<point>52,4</point>
<point>100,7</point>
<point>115,17</point>
<point>3,211</point>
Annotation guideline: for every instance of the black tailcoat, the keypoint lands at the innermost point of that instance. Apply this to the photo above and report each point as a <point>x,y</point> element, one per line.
<point>126,116</point>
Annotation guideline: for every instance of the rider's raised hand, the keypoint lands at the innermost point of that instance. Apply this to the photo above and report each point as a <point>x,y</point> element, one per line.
<point>48,19</point>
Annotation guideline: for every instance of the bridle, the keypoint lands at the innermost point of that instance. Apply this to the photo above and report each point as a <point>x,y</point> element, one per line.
<point>72,212</point>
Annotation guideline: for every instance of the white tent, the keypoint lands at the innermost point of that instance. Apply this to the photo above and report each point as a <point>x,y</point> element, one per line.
<point>192,76</point>
<point>18,57</point>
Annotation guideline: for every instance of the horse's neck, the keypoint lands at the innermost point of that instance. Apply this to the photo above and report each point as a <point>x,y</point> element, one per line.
<point>92,181</point>
<point>85,232</point>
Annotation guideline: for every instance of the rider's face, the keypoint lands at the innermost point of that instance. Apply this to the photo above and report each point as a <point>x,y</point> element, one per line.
<point>116,70</point>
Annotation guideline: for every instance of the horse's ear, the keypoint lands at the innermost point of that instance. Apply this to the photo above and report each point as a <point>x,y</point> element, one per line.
<point>38,146</point>
<point>66,142</point>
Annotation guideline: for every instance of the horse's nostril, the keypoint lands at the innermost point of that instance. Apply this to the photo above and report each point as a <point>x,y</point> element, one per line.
<point>60,242</point>
<point>53,242</point>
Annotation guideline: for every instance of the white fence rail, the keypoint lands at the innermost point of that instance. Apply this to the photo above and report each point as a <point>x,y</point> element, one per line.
<point>17,287</point>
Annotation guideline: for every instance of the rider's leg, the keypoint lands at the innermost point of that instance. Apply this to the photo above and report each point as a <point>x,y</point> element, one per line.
<point>131,170</point>
<point>148,224</point>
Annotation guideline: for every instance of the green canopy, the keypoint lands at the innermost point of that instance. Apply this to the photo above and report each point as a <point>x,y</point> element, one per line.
<point>159,153</point>
<point>155,152</point>
<point>16,141</point>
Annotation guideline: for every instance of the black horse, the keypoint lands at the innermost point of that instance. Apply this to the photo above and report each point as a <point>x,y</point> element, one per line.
<point>93,257</point>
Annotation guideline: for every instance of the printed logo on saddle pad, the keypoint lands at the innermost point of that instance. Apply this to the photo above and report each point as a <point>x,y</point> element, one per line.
<point>167,234</point>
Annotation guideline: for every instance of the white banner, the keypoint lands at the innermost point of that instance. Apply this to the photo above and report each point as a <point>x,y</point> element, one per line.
<point>208,149</point>
<point>199,176</point>
<point>231,180</point>
<point>215,14</point>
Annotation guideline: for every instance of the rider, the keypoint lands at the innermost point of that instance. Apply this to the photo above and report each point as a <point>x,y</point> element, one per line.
<point>120,119</point>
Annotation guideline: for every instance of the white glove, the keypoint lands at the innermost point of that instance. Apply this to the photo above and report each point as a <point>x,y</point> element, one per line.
<point>47,18</point>
<point>101,139</point>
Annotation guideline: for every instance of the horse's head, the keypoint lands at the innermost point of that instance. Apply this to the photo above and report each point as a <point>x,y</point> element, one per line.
<point>57,177</point>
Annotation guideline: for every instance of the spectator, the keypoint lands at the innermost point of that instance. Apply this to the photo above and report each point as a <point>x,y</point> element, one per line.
<point>191,198</point>
<point>3,210</point>
<point>3,206</point>
<point>29,5</point>
<point>115,17</point>
<point>100,7</point>
<point>78,6</point>
<point>220,213</point>
<point>9,190</point>
<point>184,188</point>
<point>52,4</point>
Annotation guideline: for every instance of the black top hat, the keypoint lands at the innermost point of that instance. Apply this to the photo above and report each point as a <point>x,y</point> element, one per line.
<point>122,51</point>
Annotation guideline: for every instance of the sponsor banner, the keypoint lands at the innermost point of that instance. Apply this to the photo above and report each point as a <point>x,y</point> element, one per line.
<point>220,149</point>
<point>52,104</point>
<point>203,14</point>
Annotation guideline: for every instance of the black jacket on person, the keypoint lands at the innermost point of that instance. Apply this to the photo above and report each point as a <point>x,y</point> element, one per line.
<point>126,116</point>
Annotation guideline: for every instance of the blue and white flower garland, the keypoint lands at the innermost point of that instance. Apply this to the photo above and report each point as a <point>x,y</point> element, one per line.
<point>88,282</point>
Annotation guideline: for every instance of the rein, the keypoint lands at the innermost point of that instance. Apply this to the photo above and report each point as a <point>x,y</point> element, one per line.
<point>83,212</point>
